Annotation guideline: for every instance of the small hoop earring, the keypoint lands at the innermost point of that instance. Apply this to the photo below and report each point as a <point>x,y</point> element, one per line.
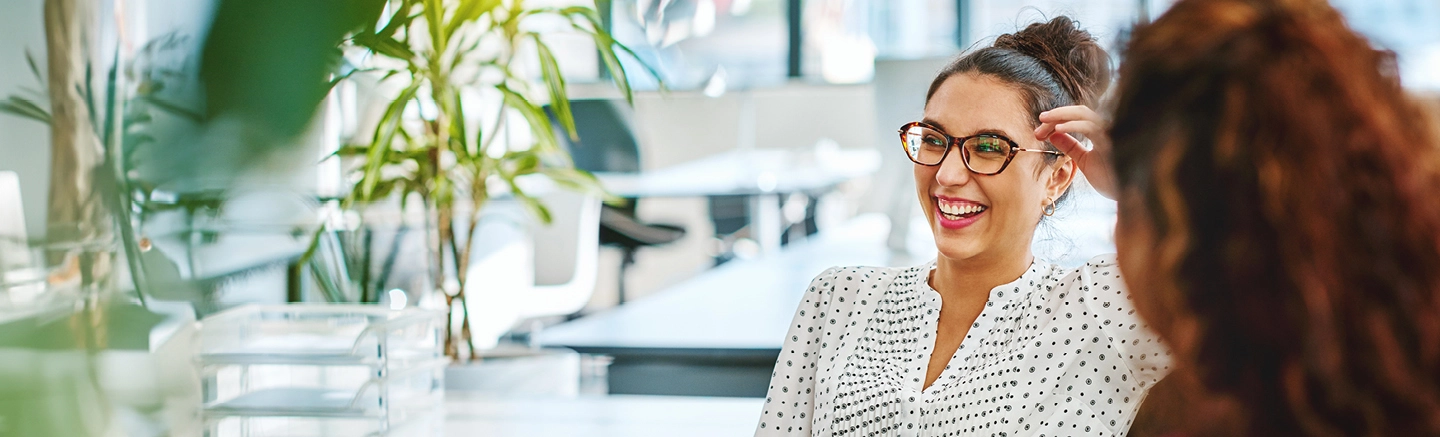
<point>1049,208</point>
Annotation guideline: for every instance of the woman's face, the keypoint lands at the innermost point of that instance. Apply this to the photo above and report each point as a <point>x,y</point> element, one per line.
<point>997,214</point>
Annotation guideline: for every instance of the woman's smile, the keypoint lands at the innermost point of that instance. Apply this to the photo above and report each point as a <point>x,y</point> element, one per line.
<point>957,213</point>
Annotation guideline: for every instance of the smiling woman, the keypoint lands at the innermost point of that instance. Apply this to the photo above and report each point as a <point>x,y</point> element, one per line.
<point>984,338</point>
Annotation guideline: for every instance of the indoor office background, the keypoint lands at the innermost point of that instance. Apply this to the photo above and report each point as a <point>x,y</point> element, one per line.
<point>767,155</point>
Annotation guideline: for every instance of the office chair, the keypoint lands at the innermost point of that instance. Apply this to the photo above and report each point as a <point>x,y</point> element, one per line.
<point>556,279</point>
<point>607,144</point>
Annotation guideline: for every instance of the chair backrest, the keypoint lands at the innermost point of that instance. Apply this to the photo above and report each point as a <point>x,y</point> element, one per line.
<point>567,250</point>
<point>565,256</point>
<point>607,139</point>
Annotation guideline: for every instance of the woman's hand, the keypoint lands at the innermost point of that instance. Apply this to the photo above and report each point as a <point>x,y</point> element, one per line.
<point>1056,124</point>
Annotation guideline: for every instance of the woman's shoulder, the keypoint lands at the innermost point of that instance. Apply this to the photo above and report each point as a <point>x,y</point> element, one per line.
<point>840,283</point>
<point>1096,293</point>
<point>1097,282</point>
<point>1100,271</point>
<point>855,277</point>
<point>860,274</point>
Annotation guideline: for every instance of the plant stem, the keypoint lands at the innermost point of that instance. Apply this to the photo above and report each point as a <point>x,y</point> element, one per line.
<point>75,148</point>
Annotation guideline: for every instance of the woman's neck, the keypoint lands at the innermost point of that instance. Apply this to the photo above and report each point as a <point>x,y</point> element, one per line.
<point>977,275</point>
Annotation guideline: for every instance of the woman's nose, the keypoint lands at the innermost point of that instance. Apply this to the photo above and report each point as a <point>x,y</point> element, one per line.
<point>953,170</point>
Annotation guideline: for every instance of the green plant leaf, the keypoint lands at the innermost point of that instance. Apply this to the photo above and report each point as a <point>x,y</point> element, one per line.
<point>539,122</point>
<point>34,69</point>
<point>532,204</point>
<point>434,11</point>
<point>391,73</point>
<point>350,150</point>
<point>460,52</point>
<point>381,143</point>
<point>586,12</point>
<point>522,163</point>
<point>648,69</point>
<point>469,10</point>
<point>384,188</point>
<point>314,246</point>
<point>400,20</point>
<point>109,129</point>
<point>22,107</point>
<point>326,262</point>
<point>606,45</point>
<point>340,78</point>
<point>385,45</point>
<point>459,139</point>
<point>443,193</point>
<point>555,83</point>
<point>578,180</point>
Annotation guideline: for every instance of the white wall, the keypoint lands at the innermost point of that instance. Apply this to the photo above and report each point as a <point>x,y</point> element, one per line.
<point>24,144</point>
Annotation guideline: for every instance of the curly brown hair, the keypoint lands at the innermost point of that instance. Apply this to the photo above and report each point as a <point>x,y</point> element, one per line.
<point>1292,191</point>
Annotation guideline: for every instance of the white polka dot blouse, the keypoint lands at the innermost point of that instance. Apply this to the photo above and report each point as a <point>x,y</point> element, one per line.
<point>1057,352</point>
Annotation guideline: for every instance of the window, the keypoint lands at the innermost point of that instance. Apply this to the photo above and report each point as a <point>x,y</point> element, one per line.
<point>1405,26</point>
<point>691,41</point>
<point>1108,20</point>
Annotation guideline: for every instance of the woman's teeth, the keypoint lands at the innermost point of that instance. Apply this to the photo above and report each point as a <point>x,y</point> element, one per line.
<point>957,211</point>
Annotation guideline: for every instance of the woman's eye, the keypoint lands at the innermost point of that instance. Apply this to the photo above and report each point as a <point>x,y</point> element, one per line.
<point>988,146</point>
<point>934,142</point>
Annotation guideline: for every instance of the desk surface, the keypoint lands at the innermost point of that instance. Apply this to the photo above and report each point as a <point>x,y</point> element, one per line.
<point>754,172</point>
<point>741,306</point>
<point>601,416</point>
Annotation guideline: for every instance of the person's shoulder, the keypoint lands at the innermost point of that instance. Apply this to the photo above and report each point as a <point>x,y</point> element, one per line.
<point>862,275</point>
<point>1100,268</point>
<point>859,273</point>
<point>851,280</point>
<point>1098,277</point>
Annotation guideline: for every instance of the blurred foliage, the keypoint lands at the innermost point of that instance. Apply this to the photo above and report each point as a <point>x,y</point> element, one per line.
<point>266,66</point>
<point>263,70</point>
<point>266,61</point>
<point>435,51</point>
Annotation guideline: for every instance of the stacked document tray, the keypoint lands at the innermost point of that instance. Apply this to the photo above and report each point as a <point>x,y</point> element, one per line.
<point>323,370</point>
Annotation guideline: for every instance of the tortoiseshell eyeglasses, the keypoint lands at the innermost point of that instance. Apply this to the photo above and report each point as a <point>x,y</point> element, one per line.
<point>985,153</point>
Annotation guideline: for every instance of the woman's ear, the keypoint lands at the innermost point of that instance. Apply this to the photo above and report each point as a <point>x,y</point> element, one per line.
<point>1061,175</point>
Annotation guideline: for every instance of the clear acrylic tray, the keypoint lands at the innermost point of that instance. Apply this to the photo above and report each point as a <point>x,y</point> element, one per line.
<point>319,391</point>
<point>322,334</point>
<point>321,370</point>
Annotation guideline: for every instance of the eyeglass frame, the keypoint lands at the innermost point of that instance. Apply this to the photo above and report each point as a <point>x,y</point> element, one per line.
<point>965,154</point>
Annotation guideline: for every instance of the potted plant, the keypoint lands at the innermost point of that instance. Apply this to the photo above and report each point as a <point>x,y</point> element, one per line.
<point>435,51</point>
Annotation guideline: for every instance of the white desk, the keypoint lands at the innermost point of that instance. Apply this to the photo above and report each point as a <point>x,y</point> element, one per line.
<point>719,333</point>
<point>762,174</point>
<point>601,416</point>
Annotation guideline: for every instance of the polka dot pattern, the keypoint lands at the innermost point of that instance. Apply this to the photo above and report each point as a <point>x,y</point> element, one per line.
<point>1056,352</point>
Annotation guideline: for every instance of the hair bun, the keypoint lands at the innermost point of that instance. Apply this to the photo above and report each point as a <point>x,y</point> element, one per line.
<point>1078,62</point>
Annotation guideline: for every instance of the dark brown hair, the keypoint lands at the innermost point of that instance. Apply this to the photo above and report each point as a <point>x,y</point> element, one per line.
<point>1052,64</point>
<point>1291,188</point>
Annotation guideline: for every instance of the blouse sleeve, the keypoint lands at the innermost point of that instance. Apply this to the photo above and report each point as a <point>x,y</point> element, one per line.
<point>1139,347</point>
<point>790,400</point>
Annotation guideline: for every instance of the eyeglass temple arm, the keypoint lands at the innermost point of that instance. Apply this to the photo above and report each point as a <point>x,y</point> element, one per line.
<point>1052,152</point>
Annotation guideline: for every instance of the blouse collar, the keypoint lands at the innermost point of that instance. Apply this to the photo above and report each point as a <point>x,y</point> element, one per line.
<point>1033,279</point>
